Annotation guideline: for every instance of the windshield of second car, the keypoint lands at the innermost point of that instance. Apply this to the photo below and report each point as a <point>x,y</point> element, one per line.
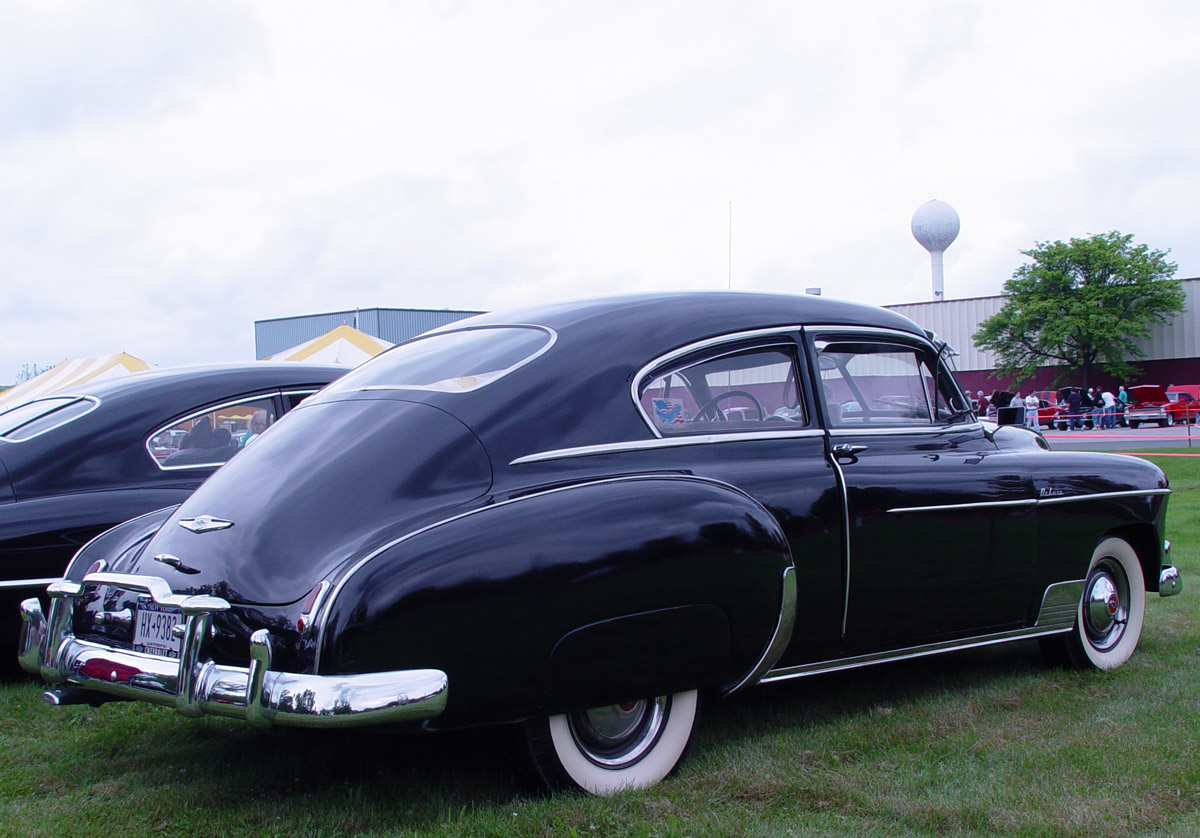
<point>451,362</point>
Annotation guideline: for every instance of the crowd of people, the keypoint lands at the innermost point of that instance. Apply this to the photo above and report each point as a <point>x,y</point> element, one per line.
<point>1099,407</point>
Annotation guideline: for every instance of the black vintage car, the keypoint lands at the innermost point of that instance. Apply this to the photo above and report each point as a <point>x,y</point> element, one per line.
<point>74,464</point>
<point>579,517</point>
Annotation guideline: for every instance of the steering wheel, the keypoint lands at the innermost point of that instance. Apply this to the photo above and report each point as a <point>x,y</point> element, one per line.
<point>718,414</point>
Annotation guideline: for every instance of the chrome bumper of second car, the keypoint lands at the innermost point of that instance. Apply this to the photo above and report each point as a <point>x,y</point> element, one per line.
<point>196,686</point>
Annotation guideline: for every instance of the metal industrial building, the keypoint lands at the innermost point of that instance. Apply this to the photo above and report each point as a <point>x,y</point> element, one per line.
<point>391,324</point>
<point>1172,352</point>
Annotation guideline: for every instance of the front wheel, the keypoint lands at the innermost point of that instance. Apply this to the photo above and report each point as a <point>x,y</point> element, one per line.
<point>1108,621</point>
<point>604,750</point>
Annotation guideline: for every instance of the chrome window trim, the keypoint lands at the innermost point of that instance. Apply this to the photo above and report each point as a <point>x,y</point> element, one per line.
<point>8,584</point>
<point>320,620</point>
<point>857,661</point>
<point>906,430</point>
<point>664,442</point>
<point>95,401</point>
<point>269,394</point>
<point>699,346</point>
<point>495,376</point>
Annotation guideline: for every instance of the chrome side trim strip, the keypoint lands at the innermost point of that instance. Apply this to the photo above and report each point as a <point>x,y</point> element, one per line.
<point>782,635</point>
<point>979,505</point>
<point>906,654</point>
<point>1041,501</point>
<point>9,584</point>
<point>1131,493</point>
<point>663,442</point>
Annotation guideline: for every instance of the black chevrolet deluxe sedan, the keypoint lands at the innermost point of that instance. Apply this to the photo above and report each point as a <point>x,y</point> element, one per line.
<point>581,517</point>
<point>74,464</point>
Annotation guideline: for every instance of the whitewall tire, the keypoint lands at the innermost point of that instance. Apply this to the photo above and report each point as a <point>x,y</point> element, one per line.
<point>1108,620</point>
<point>604,750</point>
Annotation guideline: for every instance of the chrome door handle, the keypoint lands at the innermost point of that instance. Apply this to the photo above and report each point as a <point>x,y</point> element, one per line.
<point>845,449</point>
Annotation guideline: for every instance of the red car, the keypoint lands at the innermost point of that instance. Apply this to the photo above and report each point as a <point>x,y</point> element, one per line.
<point>1151,403</point>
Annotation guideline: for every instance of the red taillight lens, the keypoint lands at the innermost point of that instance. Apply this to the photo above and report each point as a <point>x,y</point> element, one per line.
<point>310,605</point>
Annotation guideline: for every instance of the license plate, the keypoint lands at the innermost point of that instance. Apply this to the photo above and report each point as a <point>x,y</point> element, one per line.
<point>153,632</point>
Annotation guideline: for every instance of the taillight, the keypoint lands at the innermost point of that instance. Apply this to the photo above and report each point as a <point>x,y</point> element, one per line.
<point>309,607</point>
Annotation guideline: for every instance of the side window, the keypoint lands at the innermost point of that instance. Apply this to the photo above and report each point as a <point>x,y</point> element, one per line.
<point>738,391</point>
<point>883,384</point>
<point>294,397</point>
<point>213,436</point>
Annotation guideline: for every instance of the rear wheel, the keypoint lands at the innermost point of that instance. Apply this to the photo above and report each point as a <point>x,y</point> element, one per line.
<point>1108,621</point>
<point>603,750</point>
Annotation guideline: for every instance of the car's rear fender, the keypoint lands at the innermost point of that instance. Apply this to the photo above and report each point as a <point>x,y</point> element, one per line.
<point>576,596</point>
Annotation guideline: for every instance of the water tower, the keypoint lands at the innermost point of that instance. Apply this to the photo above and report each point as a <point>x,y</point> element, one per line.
<point>935,227</point>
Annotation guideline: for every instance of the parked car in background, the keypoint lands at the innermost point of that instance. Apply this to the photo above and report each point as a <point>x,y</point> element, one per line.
<point>74,464</point>
<point>1152,403</point>
<point>579,517</point>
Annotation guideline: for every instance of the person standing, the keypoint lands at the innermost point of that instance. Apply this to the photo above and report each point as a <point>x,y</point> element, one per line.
<point>1031,411</point>
<point>1075,408</point>
<point>1110,409</point>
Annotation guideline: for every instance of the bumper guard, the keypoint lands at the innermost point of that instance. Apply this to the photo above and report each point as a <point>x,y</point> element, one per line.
<point>194,685</point>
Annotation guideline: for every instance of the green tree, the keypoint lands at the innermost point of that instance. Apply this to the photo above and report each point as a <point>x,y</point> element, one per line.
<point>1083,303</point>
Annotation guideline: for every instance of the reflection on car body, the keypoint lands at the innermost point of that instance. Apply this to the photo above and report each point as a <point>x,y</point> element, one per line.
<point>578,517</point>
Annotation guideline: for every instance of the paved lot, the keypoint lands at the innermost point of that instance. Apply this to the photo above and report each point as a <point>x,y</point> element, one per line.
<point>1181,439</point>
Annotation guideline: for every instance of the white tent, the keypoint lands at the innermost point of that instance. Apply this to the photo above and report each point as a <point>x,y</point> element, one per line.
<point>70,374</point>
<point>343,345</point>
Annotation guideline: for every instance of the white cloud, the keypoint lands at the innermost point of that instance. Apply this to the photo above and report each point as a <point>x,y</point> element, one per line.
<point>169,174</point>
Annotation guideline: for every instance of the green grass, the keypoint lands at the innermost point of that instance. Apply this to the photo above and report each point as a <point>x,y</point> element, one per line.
<point>986,742</point>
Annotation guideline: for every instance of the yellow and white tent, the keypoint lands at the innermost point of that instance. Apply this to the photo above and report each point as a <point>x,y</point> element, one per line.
<point>70,374</point>
<point>343,345</point>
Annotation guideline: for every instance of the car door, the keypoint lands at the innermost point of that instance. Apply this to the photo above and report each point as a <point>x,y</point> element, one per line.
<point>940,525</point>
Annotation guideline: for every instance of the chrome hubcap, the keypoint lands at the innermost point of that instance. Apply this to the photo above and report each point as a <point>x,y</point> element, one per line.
<point>1105,605</point>
<point>619,734</point>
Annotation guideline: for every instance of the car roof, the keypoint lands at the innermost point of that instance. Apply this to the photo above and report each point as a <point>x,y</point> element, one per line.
<point>655,323</point>
<point>253,375</point>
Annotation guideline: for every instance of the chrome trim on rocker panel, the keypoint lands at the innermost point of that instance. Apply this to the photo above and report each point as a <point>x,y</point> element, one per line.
<point>781,637</point>
<point>1131,493</point>
<point>663,442</point>
<point>1051,620</point>
<point>1060,603</point>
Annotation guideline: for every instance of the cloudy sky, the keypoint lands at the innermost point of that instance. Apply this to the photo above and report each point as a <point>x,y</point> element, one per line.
<point>172,172</point>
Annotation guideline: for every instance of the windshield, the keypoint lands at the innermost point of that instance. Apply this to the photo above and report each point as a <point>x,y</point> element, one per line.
<point>450,362</point>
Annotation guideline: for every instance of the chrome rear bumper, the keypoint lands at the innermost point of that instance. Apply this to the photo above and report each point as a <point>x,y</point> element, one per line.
<point>195,685</point>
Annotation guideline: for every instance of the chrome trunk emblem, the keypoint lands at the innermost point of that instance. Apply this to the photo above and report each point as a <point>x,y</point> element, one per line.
<point>204,523</point>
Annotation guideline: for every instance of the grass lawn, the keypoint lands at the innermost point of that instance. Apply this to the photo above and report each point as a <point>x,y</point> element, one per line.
<point>985,742</point>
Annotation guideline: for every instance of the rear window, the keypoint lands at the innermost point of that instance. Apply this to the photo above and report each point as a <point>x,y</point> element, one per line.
<point>37,417</point>
<point>450,362</point>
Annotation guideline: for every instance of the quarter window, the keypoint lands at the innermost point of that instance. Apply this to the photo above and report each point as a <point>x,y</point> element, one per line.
<point>210,438</point>
<point>746,390</point>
